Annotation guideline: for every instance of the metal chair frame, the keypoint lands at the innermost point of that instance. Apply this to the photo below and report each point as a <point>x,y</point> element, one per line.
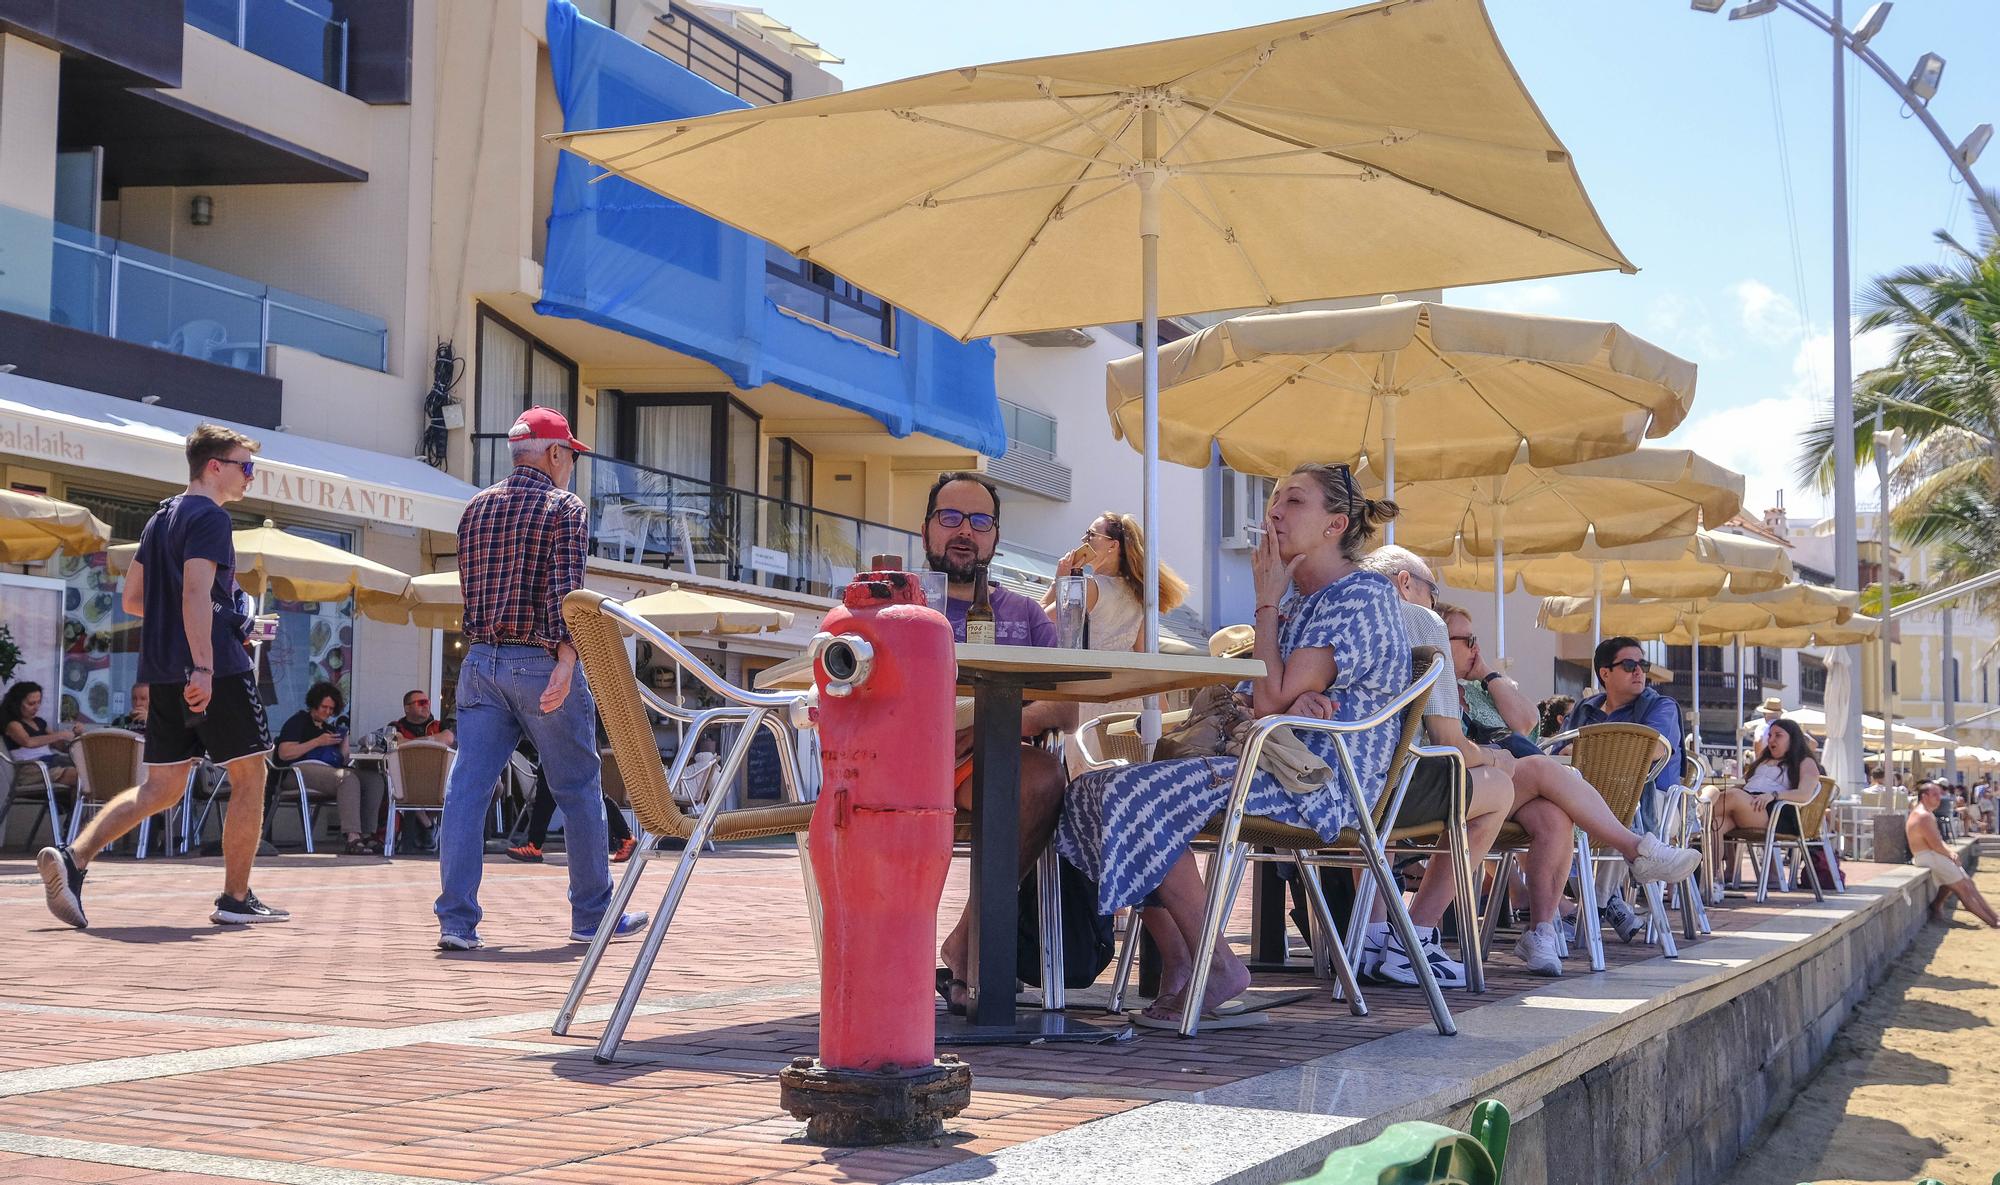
<point>12,771</point>
<point>781,714</point>
<point>1767,852</point>
<point>1590,928</point>
<point>89,801</point>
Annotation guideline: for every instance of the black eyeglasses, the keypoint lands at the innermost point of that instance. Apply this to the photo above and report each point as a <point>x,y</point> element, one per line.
<point>1630,665</point>
<point>1468,639</point>
<point>952,520</point>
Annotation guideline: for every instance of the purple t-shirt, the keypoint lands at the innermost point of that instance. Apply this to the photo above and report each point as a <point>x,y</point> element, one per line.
<point>1017,621</point>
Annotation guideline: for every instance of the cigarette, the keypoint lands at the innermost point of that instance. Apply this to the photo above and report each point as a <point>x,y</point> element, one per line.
<point>1254,529</point>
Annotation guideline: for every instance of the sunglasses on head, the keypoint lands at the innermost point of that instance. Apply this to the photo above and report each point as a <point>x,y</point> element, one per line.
<point>951,520</point>
<point>1632,665</point>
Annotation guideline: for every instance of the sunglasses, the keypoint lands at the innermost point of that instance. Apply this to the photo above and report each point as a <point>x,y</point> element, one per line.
<point>952,520</point>
<point>1632,665</point>
<point>1469,639</point>
<point>249,467</point>
<point>419,703</point>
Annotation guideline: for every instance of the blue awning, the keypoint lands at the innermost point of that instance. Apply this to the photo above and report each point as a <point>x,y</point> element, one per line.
<point>627,259</point>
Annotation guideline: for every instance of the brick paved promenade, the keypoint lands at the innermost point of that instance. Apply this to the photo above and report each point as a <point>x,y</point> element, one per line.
<point>341,1049</point>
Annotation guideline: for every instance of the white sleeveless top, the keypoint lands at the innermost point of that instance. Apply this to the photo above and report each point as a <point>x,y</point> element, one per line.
<point>1768,778</point>
<point>1118,618</point>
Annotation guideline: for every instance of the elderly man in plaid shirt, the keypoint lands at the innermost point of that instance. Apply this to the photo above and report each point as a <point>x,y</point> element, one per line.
<point>521,546</point>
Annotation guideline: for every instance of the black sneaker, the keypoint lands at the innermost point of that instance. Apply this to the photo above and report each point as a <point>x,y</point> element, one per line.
<point>64,881</point>
<point>229,911</point>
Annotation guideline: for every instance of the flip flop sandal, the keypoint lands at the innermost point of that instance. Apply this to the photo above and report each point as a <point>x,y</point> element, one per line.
<point>945,987</point>
<point>1209,1020</point>
<point>1254,1001</point>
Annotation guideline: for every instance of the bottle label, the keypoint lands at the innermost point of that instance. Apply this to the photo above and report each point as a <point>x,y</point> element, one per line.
<point>979,633</point>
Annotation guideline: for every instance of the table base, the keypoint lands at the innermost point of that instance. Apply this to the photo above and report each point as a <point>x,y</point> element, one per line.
<point>1029,1027</point>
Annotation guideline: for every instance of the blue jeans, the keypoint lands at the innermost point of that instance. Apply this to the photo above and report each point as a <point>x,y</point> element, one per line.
<point>499,699</point>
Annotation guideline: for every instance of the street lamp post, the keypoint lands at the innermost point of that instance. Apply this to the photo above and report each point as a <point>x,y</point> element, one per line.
<point>1885,443</point>
<point>1915,92</point>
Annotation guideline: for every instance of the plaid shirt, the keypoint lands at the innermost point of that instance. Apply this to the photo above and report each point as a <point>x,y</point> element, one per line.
<point>521,548</point>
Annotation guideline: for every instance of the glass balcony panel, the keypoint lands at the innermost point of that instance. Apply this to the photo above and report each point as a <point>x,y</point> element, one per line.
<point>300,35</point>
<point>183,315</point>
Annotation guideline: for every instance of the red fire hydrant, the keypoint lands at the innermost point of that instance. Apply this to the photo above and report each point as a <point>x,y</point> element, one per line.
<point>881,846</point>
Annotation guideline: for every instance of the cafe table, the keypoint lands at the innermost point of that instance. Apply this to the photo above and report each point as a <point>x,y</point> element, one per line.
<point>1000,679</point>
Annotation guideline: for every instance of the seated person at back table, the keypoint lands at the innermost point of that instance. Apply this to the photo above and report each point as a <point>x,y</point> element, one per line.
<point>142,706</point>
<point>1927,851</point>
<point>417,724</point>
<point>310,743</point>
<point>961,529</point>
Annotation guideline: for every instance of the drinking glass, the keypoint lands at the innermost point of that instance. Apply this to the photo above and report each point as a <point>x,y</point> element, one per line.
<point>1071,610</point>
<point>937,587</point>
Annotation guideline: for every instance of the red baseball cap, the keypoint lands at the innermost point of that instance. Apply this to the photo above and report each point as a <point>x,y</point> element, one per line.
<point>545,423</point>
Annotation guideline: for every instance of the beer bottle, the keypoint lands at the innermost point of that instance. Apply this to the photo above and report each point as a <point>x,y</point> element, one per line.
<point>979,629</point>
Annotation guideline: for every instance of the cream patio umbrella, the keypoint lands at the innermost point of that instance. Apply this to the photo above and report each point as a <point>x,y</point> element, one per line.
<point>1701,565</point>
<point>1641,497</point>
<point>1419,390</point>
<point>435,601</point>
<point>34,527</point>
<point>1382,148</point>
<point>271,562</point>
<point>1715,619</point>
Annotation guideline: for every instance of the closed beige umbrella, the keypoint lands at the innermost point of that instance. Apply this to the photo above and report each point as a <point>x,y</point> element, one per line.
<point>436,601</point>
<point>1641,497</point>
<point>1421,391</point>
<point>34,527</point>
<point>275,563</point>
<point>1709,619</point>
<point>1702,565</point>
<point>1383,148</point>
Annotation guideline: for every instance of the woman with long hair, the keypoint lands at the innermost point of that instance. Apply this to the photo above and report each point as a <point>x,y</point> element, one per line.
<point>1333,644</point>
<point>1114,551</point>
<point>29,737</point>
<point>1785,769</point>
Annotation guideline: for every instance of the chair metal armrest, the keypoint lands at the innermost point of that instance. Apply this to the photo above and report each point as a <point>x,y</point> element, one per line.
<point>792,703</point>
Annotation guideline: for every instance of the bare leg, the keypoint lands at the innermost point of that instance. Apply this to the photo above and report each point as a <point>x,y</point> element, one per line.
<point>1975,901</point>
<point>1042,782</point>
<point>243,826</point>
<point>1731,810</point>
<point>1492,795</point>
<point>1539,777</point>
<point>161,789</point>
<point>1184,900</point>
<point>1546,864</point>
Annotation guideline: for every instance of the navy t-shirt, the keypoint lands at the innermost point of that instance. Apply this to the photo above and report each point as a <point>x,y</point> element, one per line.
<point>188,527</point>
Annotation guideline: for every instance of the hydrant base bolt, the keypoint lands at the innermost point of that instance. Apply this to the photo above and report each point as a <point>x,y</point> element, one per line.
<point>854,1108</point>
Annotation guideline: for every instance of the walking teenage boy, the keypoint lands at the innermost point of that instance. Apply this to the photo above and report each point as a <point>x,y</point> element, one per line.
<point>182,587</point>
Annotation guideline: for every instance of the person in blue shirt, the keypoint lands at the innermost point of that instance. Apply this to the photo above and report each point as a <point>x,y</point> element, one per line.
<point>1621,665</point>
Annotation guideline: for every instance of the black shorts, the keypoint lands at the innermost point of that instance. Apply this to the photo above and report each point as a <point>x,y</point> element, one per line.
<point>1428,800</point>
<point>234,725</point>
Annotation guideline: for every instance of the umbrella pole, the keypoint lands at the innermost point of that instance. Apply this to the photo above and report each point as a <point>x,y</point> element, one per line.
<point>1694,661</point>
<point>1739,696</point>
<point>1149,179</point>
<point>1499,575</point>
<point>1596,601</point>
<point>1389,453</point>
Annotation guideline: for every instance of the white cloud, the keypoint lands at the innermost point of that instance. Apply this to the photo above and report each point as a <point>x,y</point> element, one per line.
<point>1684,325</point>
<point>1766,316</point>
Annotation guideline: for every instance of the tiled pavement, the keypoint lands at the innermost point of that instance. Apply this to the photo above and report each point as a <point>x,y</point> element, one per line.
<point>342,1048</point>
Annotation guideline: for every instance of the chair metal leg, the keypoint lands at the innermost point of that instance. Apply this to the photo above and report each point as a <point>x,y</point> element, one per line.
<point>1590,927</point>
<point>1496,900</point>
<point>1128,955</point>
<point>1048,906</point>
<point>59,832</point>
<point>1326,937</point>
<point>389,835</point>
<point>1406,930</point>
<point>305,812</point>
<point>1228,862</point>
<point>1808,873</point>
<point>1656,905</point>
<point>620,896</point>
<point>1471,951</point>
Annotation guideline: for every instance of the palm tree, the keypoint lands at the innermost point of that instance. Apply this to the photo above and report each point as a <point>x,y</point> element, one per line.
<point>1942,388</point>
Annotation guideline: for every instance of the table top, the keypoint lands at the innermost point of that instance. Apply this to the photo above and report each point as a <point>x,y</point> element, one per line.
<point>1076,676</point>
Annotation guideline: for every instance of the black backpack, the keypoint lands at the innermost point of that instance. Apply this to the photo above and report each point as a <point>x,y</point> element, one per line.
<point>1088,939</point>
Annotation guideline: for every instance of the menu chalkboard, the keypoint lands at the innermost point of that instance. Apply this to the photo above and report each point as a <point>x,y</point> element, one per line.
<point>763,779</point>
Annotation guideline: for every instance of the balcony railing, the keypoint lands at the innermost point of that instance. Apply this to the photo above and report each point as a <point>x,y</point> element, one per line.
<point>650,516</point>
<point>86,281</point>
<point>301,35</point>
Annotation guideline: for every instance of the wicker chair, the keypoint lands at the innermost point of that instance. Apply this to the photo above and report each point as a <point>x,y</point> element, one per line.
<point>418,772</point>
<point>1098,747</point>
<point>1235,833</point>
<point>598,624</point>
<point>109,761</point>
<point>1620,761</point>
<point>1809,817</point>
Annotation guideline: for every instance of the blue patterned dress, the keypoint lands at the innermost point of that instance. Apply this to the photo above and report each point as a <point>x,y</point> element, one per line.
<point>1125,827</point>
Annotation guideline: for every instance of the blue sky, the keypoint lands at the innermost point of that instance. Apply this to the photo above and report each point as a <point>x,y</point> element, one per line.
<point>1670,115</point>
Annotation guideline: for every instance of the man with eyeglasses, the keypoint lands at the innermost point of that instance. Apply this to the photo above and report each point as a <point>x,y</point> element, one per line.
<point>1628,696</point>
<point>961,531</point>
<point>204,702</point>
<point>417,724</point>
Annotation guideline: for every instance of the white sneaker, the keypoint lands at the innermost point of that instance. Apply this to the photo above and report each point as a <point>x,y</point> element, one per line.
<point>1374,949</point>
<point>1658,862</point>
<point>1537,948</point>
<point>1397,967</point>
